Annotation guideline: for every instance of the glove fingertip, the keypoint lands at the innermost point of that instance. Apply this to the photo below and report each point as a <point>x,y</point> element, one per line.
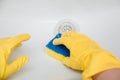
<point>25,59</point>
<point>27,36</point>
<point>23,36</point>
<point>22,61</point>
<point>56,42</point>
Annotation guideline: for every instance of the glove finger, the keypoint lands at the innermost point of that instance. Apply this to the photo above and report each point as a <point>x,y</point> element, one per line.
<point>16,42</point>
<point>19,45</point>
<point>4,39</point>
<point>68,61</point>
<point>65,60</point>
<point>62,40</point>
<point>18,39</point>
<point>7,54</point>
<point>75,35</point>
<point>70,34</point>
<point>16,66</point>
<point>2,64</point>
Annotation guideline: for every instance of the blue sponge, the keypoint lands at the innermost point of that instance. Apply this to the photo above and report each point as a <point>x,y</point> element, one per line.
<point>59,49</point>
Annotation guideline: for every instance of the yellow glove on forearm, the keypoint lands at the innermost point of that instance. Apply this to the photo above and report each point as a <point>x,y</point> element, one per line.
<point>7,45</point>
<point>85,55</point>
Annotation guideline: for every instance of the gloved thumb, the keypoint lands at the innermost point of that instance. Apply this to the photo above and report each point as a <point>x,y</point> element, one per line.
<point>63,41</point>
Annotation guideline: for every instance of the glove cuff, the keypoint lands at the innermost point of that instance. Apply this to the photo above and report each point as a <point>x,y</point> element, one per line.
<point>97,62</point>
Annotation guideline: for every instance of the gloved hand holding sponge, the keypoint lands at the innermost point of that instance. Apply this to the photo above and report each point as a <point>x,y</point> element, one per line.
<point>7,45</point>
<point>75,50</point>
<point>83,54</point>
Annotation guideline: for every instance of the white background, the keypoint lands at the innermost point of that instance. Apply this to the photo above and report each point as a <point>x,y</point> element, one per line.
<point>99,19</point>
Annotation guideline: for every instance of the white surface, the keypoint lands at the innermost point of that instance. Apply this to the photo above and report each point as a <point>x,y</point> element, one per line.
<point>99,19</point>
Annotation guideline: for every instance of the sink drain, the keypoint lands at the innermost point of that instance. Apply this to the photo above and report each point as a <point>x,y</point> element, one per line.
<point>66,25</point>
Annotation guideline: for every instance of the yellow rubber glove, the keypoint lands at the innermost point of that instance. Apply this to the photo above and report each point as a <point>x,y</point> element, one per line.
<point>7,45</point>
<point>85,55</point>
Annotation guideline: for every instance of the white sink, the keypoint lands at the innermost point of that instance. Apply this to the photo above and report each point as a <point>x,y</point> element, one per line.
<point>100,20</point>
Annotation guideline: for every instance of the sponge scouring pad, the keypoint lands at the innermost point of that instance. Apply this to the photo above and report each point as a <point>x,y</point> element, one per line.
<point>59,49</point>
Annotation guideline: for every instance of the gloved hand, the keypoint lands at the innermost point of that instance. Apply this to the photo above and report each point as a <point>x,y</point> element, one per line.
<point>85,55</point>
<point>7,45</point>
